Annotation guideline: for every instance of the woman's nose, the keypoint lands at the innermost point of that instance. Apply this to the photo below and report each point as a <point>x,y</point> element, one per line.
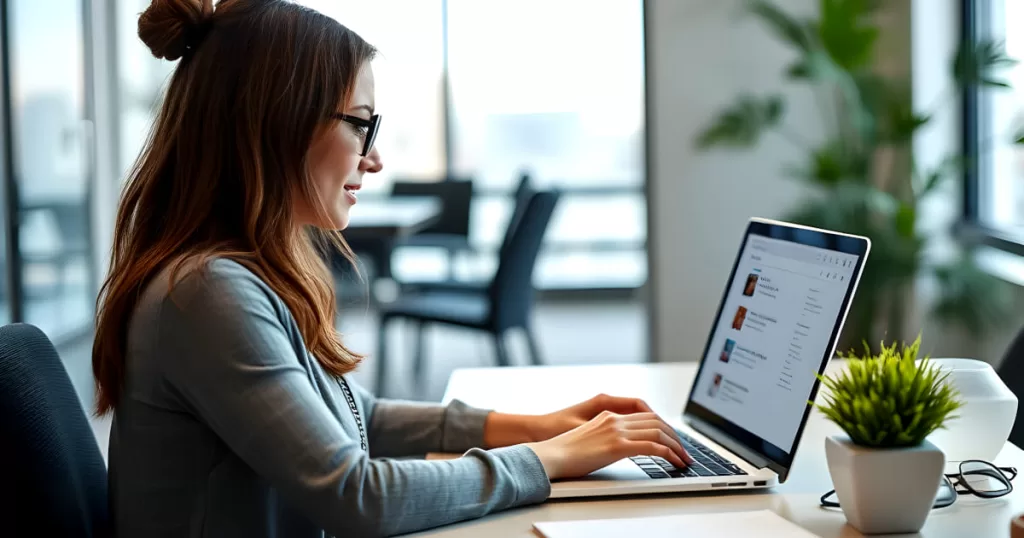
<point>372,162</point>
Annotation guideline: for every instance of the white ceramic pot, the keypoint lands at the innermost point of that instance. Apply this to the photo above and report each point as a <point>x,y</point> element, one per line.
<point>884,491</point>
<point>987,416</point>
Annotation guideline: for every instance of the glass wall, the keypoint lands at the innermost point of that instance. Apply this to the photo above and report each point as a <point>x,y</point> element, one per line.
<point>567,106</point>
<point>462,93</point>
<point>51,164</point>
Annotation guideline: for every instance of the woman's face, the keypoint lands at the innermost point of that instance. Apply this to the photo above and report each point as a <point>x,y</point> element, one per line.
<point>334,161</point>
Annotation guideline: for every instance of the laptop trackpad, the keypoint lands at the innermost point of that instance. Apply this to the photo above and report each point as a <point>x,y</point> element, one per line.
<point>621,470</point>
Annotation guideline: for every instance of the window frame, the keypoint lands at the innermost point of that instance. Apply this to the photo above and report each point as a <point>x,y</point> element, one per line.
<point>972,229</point>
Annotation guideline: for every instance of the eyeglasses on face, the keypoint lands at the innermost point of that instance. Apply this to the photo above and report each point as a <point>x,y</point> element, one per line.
<point>370,127</point>
<point>975,477</point>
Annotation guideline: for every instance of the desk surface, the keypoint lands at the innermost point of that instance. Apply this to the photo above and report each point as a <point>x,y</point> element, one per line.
<point>391,217</point>
<point>665,387</point>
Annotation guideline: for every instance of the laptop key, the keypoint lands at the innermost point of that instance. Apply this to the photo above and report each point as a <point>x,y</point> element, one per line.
<point>718,469</point>
<point>701,470</point>
<point>704,459</point>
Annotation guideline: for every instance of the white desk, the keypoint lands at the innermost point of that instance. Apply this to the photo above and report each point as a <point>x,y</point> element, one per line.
<point>665,387</point>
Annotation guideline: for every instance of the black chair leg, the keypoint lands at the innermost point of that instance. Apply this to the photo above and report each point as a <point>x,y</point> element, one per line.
<point>382,357</point>
<point>531,342</point>
<point>417,356</point>
<point>500,349</point>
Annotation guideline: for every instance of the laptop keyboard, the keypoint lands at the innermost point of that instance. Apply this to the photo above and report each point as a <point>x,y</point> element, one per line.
<point>706,462</point>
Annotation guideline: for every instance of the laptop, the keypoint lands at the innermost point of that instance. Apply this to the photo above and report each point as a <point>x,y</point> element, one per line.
<point>777,325</point>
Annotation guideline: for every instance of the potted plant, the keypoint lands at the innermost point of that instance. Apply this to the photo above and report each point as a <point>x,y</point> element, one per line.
<point>863,175</point>
<point>885,472</point>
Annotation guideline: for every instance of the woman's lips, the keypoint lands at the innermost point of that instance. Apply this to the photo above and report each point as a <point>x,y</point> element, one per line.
<point>350,192</point>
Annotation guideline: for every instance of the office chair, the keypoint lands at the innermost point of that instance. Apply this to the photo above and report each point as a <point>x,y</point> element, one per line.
<point>524,190</point>
<point>1011,371</point>
<point>505,303</point>
<point>54,472</point>
<point>451,231</point>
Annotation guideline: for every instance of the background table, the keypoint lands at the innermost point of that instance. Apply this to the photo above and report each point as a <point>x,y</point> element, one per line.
<point>375,224</point>
<point>665,387</point>
<point>392,217</point>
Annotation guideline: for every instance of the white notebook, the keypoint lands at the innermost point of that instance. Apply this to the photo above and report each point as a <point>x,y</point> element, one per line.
<point>762,523</point>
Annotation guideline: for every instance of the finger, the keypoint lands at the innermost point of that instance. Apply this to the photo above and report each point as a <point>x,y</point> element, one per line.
<point>657,423</point>
<point>627,405</point>
<point>651,448</point>
<point>622,406</point>
<point>655,434</point>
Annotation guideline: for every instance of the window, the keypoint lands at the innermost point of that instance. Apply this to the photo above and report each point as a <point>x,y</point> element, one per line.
<point>567,106</point>
<point>408,81</point>
<point>994,189</point>
<point>463,93</point>
<point>51,165</point>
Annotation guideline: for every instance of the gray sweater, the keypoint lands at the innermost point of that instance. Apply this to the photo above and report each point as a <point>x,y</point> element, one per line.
<point>228,427</point>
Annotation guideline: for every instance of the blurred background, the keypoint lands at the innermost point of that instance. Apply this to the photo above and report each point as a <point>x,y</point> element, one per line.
<point>662,124</point>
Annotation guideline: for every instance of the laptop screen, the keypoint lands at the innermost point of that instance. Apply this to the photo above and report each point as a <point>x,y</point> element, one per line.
<point>775,329</point>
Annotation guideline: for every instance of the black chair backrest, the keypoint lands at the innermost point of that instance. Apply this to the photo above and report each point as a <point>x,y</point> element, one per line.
<point>59,485</point>
<point>511,290</point>
<point>1011,371</point>
<point>456,197</point>
<point>524,190</point>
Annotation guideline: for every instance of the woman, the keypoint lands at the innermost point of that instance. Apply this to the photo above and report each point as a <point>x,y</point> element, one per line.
<point>216,349</point>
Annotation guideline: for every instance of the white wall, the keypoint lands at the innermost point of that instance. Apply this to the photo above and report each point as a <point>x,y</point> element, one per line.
<point>701,55</point>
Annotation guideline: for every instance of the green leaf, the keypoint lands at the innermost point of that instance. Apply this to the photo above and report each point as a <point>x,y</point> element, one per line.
<point>743,123</point>
<point>895,399</point>
<point>1019,137</point>
<point>902,123</point>
<point>789,29</point>
<point>906,220</point>
<point>814,65</point>
<point>829,165</point>
<point>847,33</point>
<point>950,166</point>
<point>975,62</point>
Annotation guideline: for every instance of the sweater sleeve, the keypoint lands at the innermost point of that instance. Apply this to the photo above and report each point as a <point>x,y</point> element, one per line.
<point>400,428</point>
<point>233,364</point>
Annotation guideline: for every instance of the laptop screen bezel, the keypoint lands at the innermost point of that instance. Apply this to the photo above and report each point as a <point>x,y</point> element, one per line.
<point>777,458</point>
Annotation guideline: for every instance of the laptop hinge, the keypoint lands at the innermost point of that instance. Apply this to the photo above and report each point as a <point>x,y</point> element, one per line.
<point>728,442</point>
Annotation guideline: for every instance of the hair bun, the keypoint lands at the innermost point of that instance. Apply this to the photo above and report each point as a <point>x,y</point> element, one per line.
<point>171,27</point>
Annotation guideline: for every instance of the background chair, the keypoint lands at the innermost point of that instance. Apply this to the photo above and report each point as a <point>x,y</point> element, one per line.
<point>506,303</point>
<point>521,196</point>
<point>1011,371</point>
<point>451,231</point>
<point>54,472</point>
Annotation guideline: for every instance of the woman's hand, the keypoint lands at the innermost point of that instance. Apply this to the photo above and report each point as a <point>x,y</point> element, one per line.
<point>559,422</point>
<point>503,429</point>
<point>607,438</point>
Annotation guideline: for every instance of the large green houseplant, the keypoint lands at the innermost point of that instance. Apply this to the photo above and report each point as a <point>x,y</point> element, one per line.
<point>863,176</point>
<point>885,470</point>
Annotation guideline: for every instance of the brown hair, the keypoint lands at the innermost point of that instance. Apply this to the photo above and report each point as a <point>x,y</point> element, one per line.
<point>226,161</point>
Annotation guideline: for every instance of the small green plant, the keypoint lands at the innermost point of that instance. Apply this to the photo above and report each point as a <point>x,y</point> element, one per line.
<point>891,399</point>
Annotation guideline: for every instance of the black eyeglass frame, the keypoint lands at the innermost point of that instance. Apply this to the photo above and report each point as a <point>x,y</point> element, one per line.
<point>371,125</point>
<point>952,481</point>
